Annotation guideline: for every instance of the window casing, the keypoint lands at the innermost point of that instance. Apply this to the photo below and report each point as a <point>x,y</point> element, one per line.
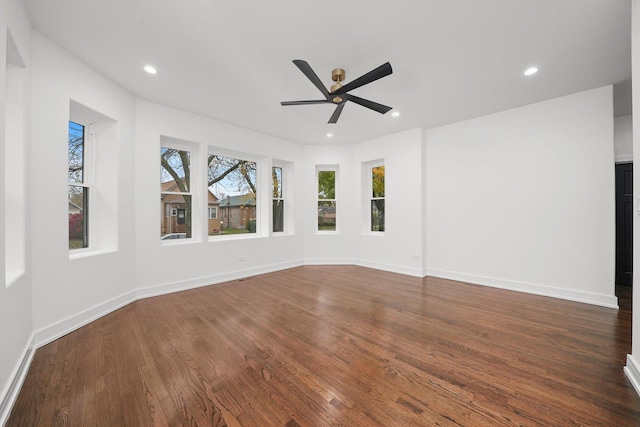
<point>79,182</point>
<point>176,197</point>
<point>326,178</point>
<point>278,199</point>
<point>233,180</point>
<point>377,193</point>
<point>213,213</point>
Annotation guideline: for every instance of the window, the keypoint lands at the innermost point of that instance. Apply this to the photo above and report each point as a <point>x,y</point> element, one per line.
<point>327,215</point>
<point>175,195</point>
<point>233,182</point>
<point>78,188</point>
<point>278,200</point>
<point>213,213</point>
<point>377,198</point>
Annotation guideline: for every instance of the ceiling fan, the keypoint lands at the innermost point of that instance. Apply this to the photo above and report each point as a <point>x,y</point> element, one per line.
<point>339,94</point>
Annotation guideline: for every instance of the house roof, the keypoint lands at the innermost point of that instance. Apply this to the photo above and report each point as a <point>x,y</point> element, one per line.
<point>452,60</point>
<point>171,186</point>
<point>241,200</point>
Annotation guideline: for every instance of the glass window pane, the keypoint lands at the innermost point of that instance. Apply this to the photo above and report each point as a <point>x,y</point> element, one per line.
<point>278,216</point>
<point>277,182</point>
<point>327,185</point>
<point>174,170</point>
<point>233,183</point>
<point>377,215</point>
<point>327,215</point>
<point>78,217</point>
<point>76,152</point>
<point>176,222</point>
<point>377,180</point>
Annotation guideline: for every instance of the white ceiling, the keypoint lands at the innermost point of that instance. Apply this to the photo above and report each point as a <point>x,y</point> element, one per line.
<point>452,59</point>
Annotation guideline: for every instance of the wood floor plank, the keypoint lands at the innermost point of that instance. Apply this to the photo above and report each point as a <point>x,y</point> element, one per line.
<point>338,346</point>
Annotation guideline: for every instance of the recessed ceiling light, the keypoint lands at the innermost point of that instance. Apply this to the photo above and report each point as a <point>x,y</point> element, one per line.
<point>530,71</point>
<point>329,135</point>
<point>150,69</point>
<point>395,114</point>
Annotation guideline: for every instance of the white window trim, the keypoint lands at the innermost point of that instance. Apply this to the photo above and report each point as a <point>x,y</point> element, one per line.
<point>367,196</point>
<point>170,143</point>
<point>209,208</point>
<point>328,168</point>
<point>262,213</point>
<point>88,162</point>
<point>282,198</point>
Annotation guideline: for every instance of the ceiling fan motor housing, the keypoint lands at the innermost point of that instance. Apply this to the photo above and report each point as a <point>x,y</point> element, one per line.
<point>337,75</point>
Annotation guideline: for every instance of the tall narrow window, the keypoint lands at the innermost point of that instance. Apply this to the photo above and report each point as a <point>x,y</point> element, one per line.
<point>78,187</point>
<point>175,195</point>
<point>278,200</point>
<point>377,198</point>
<point>233,182</point>
<point>327,217</point>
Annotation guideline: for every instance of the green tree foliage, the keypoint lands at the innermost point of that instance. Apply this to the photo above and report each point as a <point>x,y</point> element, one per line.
<point>378,181</point>
<point>327,185</point>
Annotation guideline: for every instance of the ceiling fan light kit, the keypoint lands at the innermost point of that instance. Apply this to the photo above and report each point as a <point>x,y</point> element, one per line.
<point>339,94</point>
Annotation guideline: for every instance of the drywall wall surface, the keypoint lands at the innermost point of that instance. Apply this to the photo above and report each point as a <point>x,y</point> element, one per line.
<point>72,287</point>
<point>524,199</point>
<point>168,266</point>
<point>399,247</point>
<point>623,139</point>
<point>16,308</point>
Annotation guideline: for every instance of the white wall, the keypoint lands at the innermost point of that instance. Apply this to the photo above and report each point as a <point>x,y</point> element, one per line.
<point>524,199</point>
<point>632,369</point>
<point>69,290</point>
<point>327,247</point>
<point>16,344</point>
<point>399,248</point>
<point>170,266</point>
<point>623,139</point>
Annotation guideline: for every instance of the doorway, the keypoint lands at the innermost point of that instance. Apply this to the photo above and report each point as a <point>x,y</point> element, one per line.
<point>624,224</point>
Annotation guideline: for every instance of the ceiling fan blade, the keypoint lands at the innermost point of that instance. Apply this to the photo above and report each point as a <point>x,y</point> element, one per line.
<point>315,101</point>
<point>336,113</point>
<point>369,104</point>
<point>373,75</point>
<point>311,75</point>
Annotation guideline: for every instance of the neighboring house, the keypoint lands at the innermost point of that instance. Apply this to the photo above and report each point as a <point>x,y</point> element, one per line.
<point>237,211</point>
<point>174,213</point>
<point>326,215</point>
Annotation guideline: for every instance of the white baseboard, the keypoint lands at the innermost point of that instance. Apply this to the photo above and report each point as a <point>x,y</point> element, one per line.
<point>168,288</point>
<point>328,261</point>
<point>610,301</point>
<point>632,369</point>
<point>11,390</point>
<point>59,329</point>
<point>409,271</point>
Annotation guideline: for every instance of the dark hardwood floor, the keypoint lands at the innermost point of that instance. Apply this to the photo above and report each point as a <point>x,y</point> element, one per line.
<point>338,346</point>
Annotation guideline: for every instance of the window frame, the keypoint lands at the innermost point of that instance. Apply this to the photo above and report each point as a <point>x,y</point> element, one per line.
<point>370,167</point>
<point>336,170</point>
<point>88,143</point>
<point>167,143</point>
<point>260,214</point>
<point>215,209</point>
<point>280,199</point>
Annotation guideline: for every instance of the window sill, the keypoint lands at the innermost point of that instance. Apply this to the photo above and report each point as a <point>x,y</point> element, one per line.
<point>225,237</point>
<point>80,253</point>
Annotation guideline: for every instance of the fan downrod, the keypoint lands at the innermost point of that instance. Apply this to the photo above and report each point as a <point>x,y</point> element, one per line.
<point>337,75</point>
